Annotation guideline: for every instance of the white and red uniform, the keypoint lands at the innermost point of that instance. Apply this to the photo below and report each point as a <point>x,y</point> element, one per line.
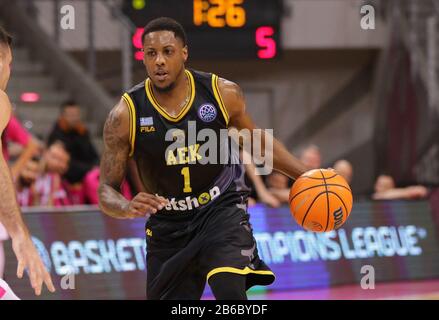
<point>6,292</point>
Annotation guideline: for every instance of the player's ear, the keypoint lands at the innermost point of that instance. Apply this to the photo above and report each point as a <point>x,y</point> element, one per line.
<point>185,53</point>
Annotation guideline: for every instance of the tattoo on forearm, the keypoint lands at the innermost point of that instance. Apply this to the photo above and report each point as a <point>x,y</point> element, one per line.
<point>113,165</point>
<point>115,157</point>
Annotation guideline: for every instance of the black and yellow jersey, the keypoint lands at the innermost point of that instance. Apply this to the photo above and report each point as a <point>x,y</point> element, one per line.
<point>185,158</point>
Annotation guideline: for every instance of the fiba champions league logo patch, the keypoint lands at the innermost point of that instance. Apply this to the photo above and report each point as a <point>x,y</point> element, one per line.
<point>207,112</point>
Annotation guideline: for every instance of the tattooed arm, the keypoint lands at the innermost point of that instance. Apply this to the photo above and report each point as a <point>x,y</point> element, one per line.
<point>283,161</point>
<point>113,169</point>
<point>10,216</point>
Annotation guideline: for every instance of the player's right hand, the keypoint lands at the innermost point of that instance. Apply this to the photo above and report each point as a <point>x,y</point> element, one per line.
<point>144,204</point>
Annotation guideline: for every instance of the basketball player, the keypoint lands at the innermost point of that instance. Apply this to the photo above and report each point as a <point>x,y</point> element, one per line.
<point>198,228</point>
<point>10,215</point>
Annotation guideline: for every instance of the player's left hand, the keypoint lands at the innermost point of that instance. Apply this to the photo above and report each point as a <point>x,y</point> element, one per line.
<point>29,259</point>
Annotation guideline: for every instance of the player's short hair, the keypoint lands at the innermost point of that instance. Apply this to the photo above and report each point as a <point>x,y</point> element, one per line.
<point>5,37</point>
<point>165,24</point>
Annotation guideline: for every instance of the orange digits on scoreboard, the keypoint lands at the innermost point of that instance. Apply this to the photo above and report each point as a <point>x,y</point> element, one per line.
<point>219,13</point>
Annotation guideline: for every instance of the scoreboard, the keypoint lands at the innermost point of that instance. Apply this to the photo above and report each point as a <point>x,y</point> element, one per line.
<point>216,28</point>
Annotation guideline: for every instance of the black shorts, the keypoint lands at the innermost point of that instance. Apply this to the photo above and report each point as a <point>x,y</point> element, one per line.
<point>183,252</point>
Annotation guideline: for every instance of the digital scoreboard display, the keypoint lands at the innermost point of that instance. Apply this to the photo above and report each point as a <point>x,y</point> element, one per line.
<point>216,28</point>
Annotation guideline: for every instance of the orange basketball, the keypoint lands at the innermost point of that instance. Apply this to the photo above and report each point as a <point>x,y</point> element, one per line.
<point>320,200</point>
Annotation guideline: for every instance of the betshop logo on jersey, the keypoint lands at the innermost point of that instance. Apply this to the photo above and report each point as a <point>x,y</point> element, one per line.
<point>190,203</point>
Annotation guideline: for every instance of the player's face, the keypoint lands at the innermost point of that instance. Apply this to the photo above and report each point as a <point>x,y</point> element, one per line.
<point>164,58</point>
<point>5,65</point>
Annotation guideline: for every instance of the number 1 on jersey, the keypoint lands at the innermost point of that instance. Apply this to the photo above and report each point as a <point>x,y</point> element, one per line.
<point>187,180</point>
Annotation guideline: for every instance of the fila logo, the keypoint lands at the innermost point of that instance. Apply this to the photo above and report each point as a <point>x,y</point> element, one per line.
<point>147,129</point>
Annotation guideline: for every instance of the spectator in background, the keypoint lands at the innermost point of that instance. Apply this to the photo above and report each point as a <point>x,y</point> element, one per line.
<point>25,184</point>
<point>41,184</point>
<point>344,168</point>
<point>385,189</point>
<point>91,186</point>
<point>278,185</point>
<point>71,131</point>
<point>259,192</point>
<point>16,133</point>
<point>311,157</point>
<point>49,186</point>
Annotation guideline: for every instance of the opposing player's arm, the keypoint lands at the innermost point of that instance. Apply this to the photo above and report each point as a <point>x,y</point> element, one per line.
<point>10,216</point>
<point>113,169</point>
<point>283,161</point>
<point>9,211</point>
<point>5,111</point>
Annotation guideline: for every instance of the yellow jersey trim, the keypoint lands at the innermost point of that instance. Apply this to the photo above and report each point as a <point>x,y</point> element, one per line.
<point>132,112</point>
<point>161,110</point>
<point>246,270</point>
<point>219,99</point>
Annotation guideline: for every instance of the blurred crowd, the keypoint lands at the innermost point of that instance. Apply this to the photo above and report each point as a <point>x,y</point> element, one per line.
<point>274,189</point>
<point>63,168</point>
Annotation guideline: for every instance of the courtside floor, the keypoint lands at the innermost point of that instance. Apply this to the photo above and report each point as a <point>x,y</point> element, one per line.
<point>409,290</point>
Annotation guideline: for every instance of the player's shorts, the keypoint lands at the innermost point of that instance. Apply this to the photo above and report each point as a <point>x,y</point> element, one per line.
<point>3,234</point>
<point>6,292</point>
<point>183,252</point>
